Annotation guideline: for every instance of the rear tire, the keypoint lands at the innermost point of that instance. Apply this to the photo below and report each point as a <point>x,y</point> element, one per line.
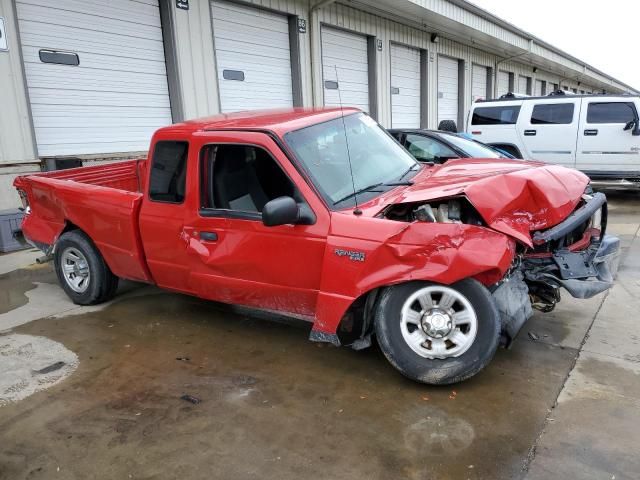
<point>430,342</point>
<point>81,270</point>
<point>448,126</point>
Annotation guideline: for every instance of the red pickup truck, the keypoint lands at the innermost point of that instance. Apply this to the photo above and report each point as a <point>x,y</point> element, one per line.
<point>321,214</point>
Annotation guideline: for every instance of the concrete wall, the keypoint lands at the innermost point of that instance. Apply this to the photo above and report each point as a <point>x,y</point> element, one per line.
<point>17,151</point>
<point>16,135</point>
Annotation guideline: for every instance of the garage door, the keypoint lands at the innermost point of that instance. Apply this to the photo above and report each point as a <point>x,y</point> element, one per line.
<point>479,83</point>
<point>539,89</point>
<point>96,74</point>
<point>503,83</point>
<point>447,89</point>
<point>405,87</point>
<point>522,85</point>
<point>253,58</point>
<point>345,66</point>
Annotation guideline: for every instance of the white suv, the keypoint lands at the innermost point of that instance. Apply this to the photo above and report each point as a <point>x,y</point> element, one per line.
<point>598,134</point>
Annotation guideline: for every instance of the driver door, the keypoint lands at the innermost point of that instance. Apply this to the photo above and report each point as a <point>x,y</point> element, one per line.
<point>603,144</point>
<point>234,257</point>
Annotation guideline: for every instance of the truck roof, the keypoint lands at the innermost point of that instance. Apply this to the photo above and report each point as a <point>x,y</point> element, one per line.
<point>278,121</point>
<point>567,96</point>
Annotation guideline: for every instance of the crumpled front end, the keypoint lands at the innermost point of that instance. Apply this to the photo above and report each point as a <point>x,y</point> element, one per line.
<point>571,251</point>
<point>576,254</point>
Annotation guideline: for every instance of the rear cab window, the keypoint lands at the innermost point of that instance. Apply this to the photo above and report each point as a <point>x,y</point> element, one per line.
<point>496,115</point>
<point>168,179</point>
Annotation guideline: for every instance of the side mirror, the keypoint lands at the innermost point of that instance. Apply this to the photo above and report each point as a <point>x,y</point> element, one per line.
<point>634,126</point>
<point>285,211</point>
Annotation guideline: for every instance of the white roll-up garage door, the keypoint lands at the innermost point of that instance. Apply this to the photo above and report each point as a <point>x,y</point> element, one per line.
<point>96,74</point>
<point>405,86</point>
<point>522,85</point>
<point>539,89</point>
<point>479,83</point>
<point>447,89</point>
<point>253,57</point>
<point>503,83</point>
<point>347,53</point>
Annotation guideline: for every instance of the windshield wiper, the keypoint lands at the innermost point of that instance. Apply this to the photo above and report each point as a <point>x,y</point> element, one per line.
<point>358,192</point>
<point>411,168</point>
<point>372,188</point>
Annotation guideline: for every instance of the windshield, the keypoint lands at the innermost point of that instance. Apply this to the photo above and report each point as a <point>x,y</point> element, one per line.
<point>471,148</point>
<point>330,151</point>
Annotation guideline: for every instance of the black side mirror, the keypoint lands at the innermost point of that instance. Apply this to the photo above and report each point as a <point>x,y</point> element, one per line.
<point>285,211</point>
<point>634,126</point>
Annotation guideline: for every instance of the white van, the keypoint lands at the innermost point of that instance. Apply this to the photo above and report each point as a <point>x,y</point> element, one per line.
<point>598,134</point>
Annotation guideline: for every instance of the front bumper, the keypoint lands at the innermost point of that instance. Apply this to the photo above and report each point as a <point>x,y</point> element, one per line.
<point>584,273</point>
<point>594,272</point>
<point>585,268</point>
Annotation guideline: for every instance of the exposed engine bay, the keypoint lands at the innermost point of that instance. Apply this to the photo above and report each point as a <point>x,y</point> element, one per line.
<point>575,255</point>
<point>453,210</point>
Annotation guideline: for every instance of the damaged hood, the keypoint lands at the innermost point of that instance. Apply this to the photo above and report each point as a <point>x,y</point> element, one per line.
<point>513,197</point>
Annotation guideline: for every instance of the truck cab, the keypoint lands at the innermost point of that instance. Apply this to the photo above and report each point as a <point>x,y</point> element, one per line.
<point>597,134</point>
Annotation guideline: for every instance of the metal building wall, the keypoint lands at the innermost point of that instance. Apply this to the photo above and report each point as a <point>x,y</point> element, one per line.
<point>16,135</point>
<point>17,146</point>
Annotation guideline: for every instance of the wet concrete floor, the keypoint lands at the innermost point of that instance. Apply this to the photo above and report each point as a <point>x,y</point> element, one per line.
<point>273,405</point>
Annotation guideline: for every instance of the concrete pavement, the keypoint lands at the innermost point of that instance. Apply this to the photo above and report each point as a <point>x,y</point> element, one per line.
<point>594,431</point>
<point>277,406</point>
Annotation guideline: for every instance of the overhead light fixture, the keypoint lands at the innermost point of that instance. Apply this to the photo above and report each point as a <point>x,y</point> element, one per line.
<point>435,38</point>
<point>535,69</point>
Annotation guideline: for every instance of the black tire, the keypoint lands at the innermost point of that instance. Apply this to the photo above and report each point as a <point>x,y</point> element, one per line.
<point>438,371</point>
<point>448,126</point>
<point>101,284</point>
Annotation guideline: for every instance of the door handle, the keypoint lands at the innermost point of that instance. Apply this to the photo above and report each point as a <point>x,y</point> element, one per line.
<point>209,236</point>
<point>590,133</point>
<point>530,133</point>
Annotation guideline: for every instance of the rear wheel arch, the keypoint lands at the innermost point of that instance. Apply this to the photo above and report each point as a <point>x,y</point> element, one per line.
<point>68,227</point>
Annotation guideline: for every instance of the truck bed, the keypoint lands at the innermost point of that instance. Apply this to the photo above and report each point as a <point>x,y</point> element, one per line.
<point>103,201</point>
<point>118,175</point>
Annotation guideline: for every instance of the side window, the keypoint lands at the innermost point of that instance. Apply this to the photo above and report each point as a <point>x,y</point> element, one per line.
<point>618,112</point>
<point>241,178</point>
<point>552,114</point>
<point>496,115</point>
<point>168,172</point>
<point>427,149</point>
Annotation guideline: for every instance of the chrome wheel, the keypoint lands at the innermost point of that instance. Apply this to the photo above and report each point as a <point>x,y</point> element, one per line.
<point>438,322</point>
<point>75,269</point>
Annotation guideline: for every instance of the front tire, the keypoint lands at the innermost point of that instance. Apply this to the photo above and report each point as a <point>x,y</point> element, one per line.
<point>81,270</point>
<point>438,334</point>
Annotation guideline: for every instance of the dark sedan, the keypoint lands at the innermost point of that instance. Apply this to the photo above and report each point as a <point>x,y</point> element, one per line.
<point>438,146</point>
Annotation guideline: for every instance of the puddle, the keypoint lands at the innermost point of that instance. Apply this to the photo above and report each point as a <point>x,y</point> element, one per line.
<point>15,285</point>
